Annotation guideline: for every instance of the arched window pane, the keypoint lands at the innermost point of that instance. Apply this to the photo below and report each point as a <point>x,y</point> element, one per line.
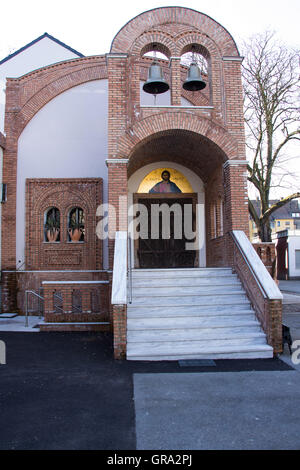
<point>76,225</point>
<point>52,225</point>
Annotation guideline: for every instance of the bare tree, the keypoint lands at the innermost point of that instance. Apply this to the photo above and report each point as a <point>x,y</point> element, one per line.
<point>271,90</point>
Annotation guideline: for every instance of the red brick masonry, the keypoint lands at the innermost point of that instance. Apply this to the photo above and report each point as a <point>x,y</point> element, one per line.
<point>268,312</point>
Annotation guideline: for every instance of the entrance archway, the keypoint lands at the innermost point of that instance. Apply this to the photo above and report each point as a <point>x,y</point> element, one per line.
<point>184,251</point>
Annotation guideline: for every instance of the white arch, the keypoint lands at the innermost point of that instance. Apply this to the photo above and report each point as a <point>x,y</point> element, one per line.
<point>198,187</point>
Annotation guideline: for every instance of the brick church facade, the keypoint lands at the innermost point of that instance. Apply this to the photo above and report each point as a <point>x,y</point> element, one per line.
<point>197,135</point>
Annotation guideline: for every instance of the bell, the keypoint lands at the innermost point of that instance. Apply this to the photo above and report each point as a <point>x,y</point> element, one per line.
<point>156,83</point>
<point>194,80</point>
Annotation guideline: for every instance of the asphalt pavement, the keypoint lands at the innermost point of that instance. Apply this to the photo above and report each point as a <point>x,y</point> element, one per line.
<point>64,391</point>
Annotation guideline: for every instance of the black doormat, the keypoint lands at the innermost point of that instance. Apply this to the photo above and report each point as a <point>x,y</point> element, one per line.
<point>197,363</point>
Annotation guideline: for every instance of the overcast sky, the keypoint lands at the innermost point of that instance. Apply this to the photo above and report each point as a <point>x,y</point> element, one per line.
<point>90,25</point>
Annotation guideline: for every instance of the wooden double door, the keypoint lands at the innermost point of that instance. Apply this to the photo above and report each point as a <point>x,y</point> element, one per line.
<point>165,246</point>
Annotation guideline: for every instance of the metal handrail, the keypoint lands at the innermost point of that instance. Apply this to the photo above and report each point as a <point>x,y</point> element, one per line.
<point>60,308</point>
<point>26,303</point>
<point>40,298</point>
<point>129,268</point>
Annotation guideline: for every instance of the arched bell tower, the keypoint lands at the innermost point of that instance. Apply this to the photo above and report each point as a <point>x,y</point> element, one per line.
<point>214,114</point>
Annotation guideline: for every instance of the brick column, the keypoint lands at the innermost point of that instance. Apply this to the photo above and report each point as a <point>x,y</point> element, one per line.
<point>175,81</point>
<point>118,91</point>
<point>120,333</point>
<point>236,215</point>
<point>86,300</point>
<point>117,198</point>
<point>8,224</point>
<point>234,118</point>
<point>67,295</point>
<point>48,303</point>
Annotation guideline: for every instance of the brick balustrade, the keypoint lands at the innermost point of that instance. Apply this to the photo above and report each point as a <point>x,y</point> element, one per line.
<point>55,291</point>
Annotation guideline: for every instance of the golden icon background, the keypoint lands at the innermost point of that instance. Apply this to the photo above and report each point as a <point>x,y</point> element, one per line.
<point>155,177</point>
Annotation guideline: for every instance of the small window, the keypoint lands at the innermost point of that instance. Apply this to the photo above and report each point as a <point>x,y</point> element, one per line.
<point>52,225</point>
<point>76,226</point>
<point>297,259</point>
<point>287,223</point>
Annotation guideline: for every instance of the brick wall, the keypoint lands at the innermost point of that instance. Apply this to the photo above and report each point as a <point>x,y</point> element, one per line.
<point>268,312</point>
<point>14,285</point>
<point>76,301</point>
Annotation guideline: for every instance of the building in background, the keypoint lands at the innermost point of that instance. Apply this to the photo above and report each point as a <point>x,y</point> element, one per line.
<point>284,218</point>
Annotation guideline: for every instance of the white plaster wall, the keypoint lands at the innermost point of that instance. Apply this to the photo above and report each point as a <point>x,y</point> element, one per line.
<point>67,138</point>
<point>294,244</point>
<point>198,187</point>
<point>41,53</point>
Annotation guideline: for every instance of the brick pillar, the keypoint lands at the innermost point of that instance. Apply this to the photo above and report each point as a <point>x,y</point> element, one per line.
<point>9,292</point>
<point>8,225</point>
<point>48,302</point>
<point>120,333</point>
<point>175,81</point>
<point>236,215</point>
<point>117,198</point>
<point>86,300</point>
<point>234,101</point>
<point>67,295</point>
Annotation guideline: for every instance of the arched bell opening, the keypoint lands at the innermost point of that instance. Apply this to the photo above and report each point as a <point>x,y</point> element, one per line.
<point>155,90</point>
<point>195,166</point>
<point>196,59</point>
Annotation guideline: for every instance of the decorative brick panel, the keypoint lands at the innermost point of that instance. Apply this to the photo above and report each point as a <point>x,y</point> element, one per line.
<point>64,194</point>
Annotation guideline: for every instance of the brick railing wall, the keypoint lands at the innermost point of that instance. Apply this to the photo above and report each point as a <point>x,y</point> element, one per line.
<point>268,311</point>
<point>66,311</point>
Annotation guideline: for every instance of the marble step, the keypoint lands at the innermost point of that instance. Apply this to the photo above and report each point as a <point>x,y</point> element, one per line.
<point>196,334</point>
<point>188,300</point>
<point>255,351</point>
<point>178,273</point>
<point>150,311</point>
<point>192,322</point>
<point>170,348</point>
<point>186,281</point>
<point>185,290</point>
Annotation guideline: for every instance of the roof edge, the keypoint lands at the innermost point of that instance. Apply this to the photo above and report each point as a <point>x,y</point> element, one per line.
<point>45,35</point>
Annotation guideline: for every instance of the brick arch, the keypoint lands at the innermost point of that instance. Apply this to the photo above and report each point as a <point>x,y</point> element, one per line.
<point>149,126</point>
<point>164,42</point>
<point>67,80</point>
<point>204,45</point>
<point>126,37</point>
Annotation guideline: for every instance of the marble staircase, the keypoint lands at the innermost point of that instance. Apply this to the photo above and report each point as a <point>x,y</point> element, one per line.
<point>200,313</point>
